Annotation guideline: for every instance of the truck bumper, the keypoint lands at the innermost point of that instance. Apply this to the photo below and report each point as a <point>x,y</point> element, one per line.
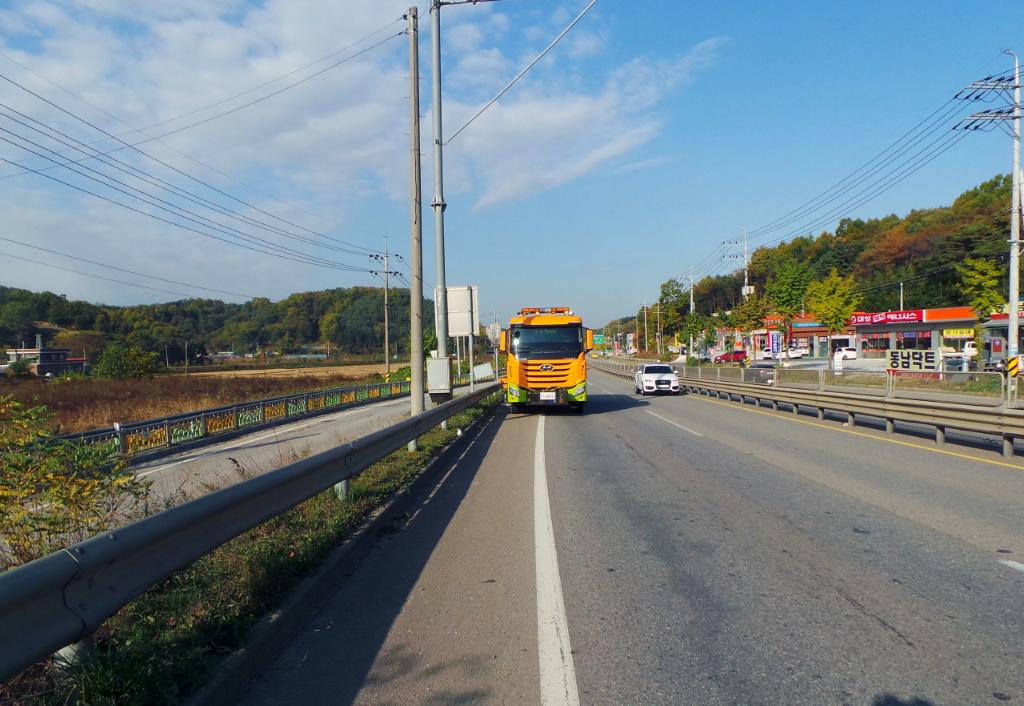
<point>561,396</point>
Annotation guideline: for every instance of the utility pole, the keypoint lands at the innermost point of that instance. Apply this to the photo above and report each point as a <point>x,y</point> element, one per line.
<point>657,313</point>
<point>747,289</point>
<point>438,204</point>
<point>689,351</point>
<point>186,357</point>
<point>901,296</point>
<point>416,226</point>
<point>987,120</point>
<point>647,339</point>
<point>387,340</point>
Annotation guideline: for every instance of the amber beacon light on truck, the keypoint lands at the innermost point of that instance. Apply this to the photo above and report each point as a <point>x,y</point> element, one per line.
<point>547,357</point>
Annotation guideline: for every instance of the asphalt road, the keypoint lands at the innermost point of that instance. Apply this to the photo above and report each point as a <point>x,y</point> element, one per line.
<point>681,550</point>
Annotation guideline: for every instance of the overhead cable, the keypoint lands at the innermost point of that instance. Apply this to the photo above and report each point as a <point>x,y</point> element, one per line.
<point>125,270</point>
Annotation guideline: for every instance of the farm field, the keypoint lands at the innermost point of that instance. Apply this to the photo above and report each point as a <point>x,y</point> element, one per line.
<point>80,405</point>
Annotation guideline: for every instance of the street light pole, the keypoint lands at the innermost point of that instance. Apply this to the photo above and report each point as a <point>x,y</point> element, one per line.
<point>438,203</point>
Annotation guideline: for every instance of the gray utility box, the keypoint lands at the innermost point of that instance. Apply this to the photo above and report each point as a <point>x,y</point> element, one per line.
<point>439,376</point>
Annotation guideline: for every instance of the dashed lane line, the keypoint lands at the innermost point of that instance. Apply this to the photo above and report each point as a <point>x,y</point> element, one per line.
<point>1012,564</point>
<point>675,424</point>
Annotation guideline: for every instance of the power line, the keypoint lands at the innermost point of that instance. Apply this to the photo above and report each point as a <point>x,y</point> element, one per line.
<point>125,270</point>
<point>134,147</point>
<point>150,179</point>
<point>522,73</point>
<point>168,221</point>
<point>89,274</point>
<point>155,201</point>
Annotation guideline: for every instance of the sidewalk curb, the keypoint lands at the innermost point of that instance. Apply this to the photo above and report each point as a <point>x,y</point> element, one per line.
<point>233,676</point>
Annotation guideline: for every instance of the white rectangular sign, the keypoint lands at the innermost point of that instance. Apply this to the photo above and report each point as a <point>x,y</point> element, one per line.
<point>463,311</point>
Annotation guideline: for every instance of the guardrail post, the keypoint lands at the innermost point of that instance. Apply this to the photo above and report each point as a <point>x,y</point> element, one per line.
<point>1007,446</point>
<point>167,431</point>
<point>205,426</point>
<point>940,435</point>
<point>234,417</point>
<point>796,409</point>
<point>851,420</point>
<point>890,426</point>
<point>122,441</point>
<point>341,490</point>
<point>821,414</point>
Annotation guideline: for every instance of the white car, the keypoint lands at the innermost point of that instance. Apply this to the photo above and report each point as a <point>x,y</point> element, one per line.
<point>846,353</point>
<point>656,377</point>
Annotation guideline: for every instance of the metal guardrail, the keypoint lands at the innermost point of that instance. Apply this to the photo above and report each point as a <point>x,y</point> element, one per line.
<point>179,429</point>
<point>61,598</point>
<point>999,419</point>
<point>176,430</point>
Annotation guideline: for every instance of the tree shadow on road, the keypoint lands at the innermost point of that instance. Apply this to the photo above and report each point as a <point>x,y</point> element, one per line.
<point>339,651</point>
<point>891,700</point>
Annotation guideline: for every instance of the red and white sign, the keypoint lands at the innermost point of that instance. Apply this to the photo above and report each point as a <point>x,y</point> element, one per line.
<point>888,317</point>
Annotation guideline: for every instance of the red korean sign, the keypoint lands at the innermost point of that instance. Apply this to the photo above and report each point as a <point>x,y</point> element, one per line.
<point>888,317</point>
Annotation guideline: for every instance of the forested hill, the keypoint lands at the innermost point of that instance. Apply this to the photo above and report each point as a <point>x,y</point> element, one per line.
<point>920,249</point>
<point>351,319</point>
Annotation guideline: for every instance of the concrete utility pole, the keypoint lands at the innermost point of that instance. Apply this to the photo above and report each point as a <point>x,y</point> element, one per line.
<point>987,120</point>
<point>387,285</point>
<point>657,314</point>
<point>416,226</point>
<point>901,296</point>
<point>689,351</point>
<point>747,289</point>
<point>647,338</point>
<point>1013,340</point>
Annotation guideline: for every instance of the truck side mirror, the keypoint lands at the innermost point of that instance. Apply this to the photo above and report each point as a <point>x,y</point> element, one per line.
<point>590,339</point>
<point>503,341</point>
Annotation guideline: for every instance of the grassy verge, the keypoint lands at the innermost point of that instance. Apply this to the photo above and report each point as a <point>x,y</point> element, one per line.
<point>163,645</point>
<point>84,404</point>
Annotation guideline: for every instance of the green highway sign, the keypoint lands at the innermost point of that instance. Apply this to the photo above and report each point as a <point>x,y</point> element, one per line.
<point>599,338</point>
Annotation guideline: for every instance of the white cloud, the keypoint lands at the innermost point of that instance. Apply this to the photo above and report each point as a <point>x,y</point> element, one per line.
<point>336,146</point>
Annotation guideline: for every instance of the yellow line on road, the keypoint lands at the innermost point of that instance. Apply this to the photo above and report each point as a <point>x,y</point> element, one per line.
<point>776,415</point>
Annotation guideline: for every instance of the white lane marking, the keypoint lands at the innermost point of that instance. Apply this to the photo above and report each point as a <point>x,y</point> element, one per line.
<point>669,421</point>
<point>557,670</point>
<point>1012,564</point>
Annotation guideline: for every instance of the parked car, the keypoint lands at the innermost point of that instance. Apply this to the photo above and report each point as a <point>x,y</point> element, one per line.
<point>970,351</point>
<point>654,378</point>
<point>731,357</point>
<point>762,373</point>
<point>845,353</point>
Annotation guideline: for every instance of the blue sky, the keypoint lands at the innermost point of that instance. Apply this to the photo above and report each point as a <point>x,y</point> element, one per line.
<point>652,133</point>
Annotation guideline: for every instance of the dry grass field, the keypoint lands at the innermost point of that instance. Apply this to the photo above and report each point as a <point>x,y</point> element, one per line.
<point>80,405</point>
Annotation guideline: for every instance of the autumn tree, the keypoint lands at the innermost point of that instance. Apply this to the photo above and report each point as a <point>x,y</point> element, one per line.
<point>980,284</point>
<point>832,301</point>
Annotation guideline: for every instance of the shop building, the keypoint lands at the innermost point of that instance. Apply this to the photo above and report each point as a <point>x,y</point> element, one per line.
<point>804,332</point>
<point>946,329</point>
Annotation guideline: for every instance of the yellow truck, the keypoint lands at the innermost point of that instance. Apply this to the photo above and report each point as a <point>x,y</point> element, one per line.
<point>547,357</point>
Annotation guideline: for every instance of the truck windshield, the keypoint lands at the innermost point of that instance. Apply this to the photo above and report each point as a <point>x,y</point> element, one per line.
<point>552,341</point>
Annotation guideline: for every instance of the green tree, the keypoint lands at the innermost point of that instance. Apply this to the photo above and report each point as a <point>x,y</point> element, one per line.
<point>750,313</point>
<point>786,292</point>
<point>121,362</point>
<point>980,284</point>
<point>832,301</point>
<point>54,492</point>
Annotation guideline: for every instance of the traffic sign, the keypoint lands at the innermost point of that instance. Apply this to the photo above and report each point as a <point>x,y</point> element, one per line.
<point>1013,366</point>
<point>599,339</point>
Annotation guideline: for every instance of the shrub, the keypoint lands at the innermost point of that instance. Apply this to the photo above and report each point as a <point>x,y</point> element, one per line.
<point>122,362</point>
<point>54,492</point>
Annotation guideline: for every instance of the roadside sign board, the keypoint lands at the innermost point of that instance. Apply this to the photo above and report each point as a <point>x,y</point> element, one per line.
<point>463,311</point>
<point>919,361</point>
<point>599,339</point>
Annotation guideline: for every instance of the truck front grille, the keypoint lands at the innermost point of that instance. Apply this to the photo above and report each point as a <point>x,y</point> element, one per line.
<point>537,379</point>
